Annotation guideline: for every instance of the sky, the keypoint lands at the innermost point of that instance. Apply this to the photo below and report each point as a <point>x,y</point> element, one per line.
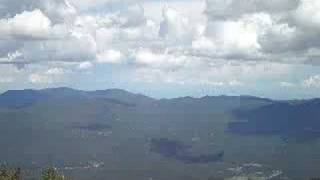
<point>163,48</point>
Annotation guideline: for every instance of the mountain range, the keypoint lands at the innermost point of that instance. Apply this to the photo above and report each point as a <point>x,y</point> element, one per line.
<point>256,115</point>
<point>73,129</point>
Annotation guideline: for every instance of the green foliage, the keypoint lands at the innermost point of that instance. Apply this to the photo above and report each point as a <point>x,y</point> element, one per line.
<point>52,174</point>
<point>15,174</point>
<point>10,174</point>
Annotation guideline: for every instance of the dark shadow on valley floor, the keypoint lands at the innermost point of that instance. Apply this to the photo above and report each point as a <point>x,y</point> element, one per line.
<point>179,151</point>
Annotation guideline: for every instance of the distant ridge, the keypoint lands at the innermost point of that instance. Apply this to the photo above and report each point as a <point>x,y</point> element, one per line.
<point>122,92</point>
<point>28,97</point>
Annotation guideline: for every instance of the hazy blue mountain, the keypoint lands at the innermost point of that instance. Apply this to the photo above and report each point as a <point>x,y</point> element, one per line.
<point>121,95</point>
<point>300,119</point>
<point>63,92</point>
<point>261,115</point>
<point>28,97</point>
<point>211,103</point>
<point>25,98</point>
<point>20,99</point>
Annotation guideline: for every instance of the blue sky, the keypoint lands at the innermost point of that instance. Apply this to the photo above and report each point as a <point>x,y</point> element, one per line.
<point>163,48</point>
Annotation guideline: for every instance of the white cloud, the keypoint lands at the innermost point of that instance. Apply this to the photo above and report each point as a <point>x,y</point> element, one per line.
<point>312,82</point>
<point>235,83</point>
<point>14,55</point>
<point>238,39</point>
<point>232,74</point>
<point>162,60</point>
<point>55,71</point>
<point>203,43</point>
<point>78,46</point>
<point>132,16</point>
<point>28,24</point>
<point>40,79</point>
<point>233,37</point>
<point>307,14</point>
<point>110,56</point>
<point>57,10</point>
<point>287,84</point>
<point>85,65</point>
<point>231,83</point>
<point>43,74</point>
<point>175,26</point>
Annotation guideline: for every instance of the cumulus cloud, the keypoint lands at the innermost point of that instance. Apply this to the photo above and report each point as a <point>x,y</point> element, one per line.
<point>175,26</point>
<point>28,24</point>
<point>110,56</point>
<point>228,43</point>
<point>307,14</point>
<point>312,82</point>
<point>132,16</point>
<point>57,10</point>
<point>236,37</point>
<point>56,31</point>
<point>161,60</point>
<point>249,30</point>
<point>283,31</point>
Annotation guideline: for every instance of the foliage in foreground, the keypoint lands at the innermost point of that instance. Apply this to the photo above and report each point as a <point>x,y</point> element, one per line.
<point>10,174</point>
<point>15,174</point>
<point>52,174</point>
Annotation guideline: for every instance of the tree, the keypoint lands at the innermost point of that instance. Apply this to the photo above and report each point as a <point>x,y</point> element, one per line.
<point>52,174</point>
<point>10,174</point>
